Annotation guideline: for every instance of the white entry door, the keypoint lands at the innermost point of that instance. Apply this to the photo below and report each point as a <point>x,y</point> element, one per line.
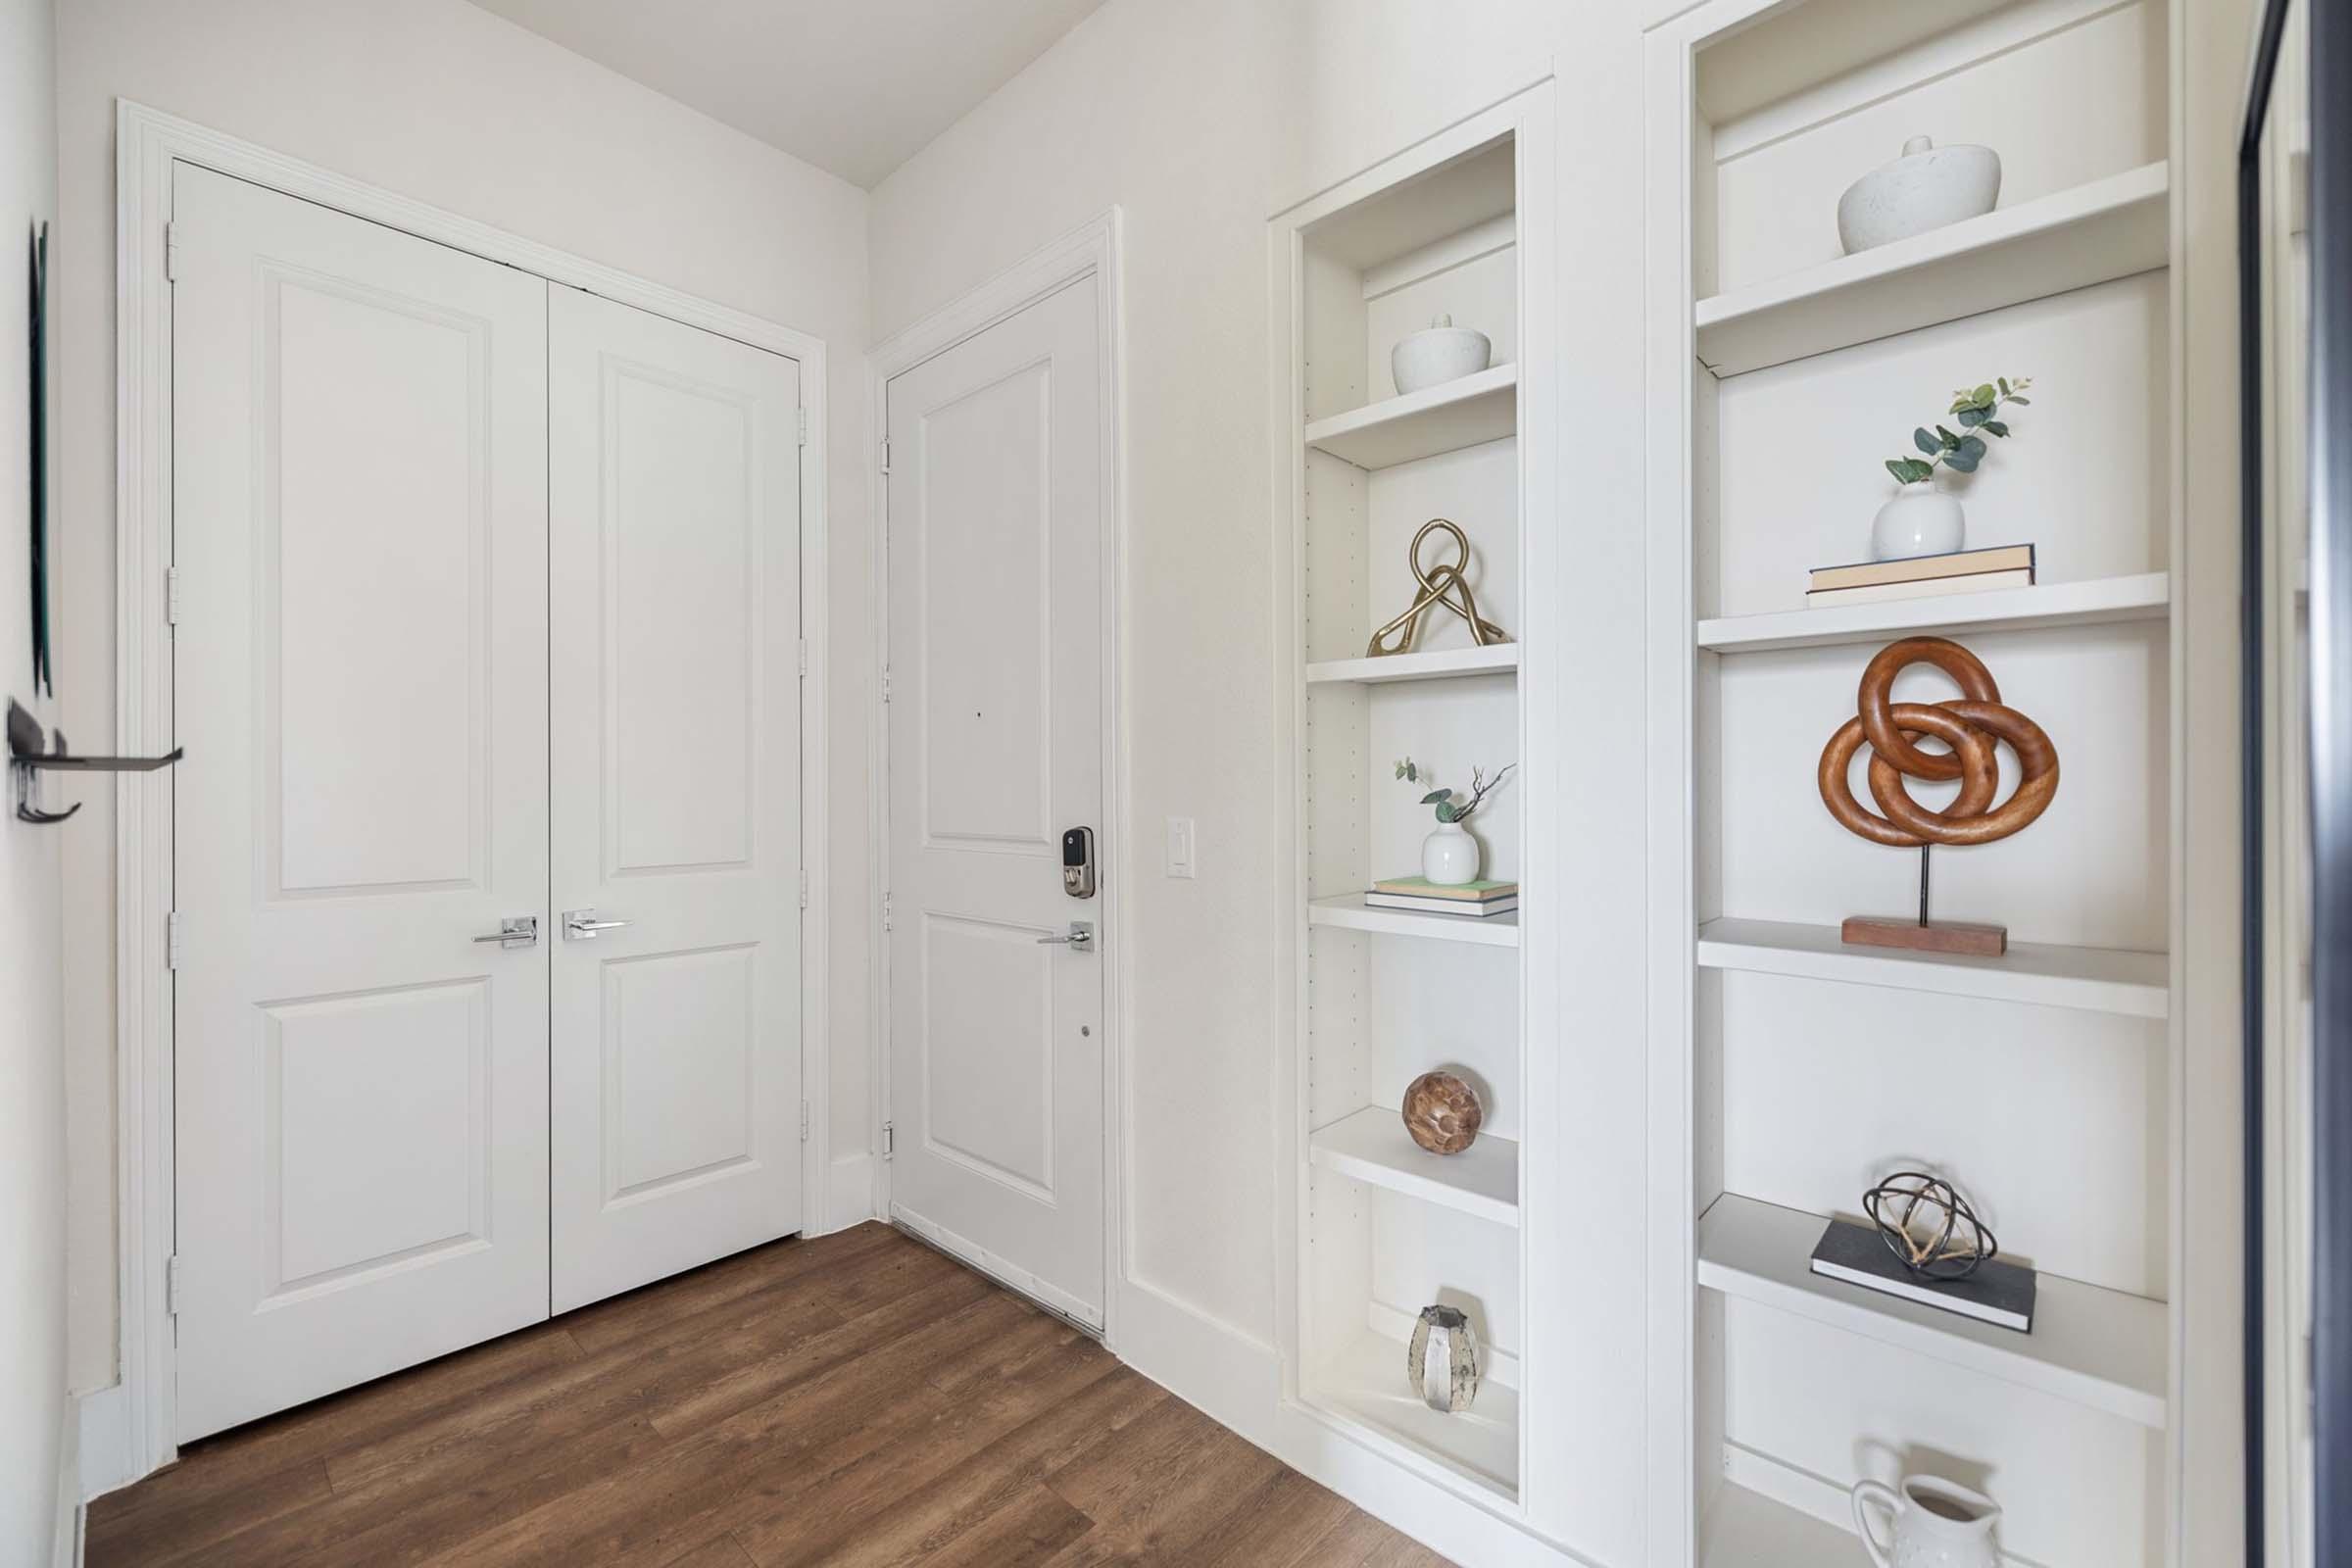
<point>995,512</point>
<point>359,475</point>
<point>676,752</point>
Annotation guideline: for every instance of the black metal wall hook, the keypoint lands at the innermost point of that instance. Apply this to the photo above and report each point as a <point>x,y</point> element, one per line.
<point>29,751</point>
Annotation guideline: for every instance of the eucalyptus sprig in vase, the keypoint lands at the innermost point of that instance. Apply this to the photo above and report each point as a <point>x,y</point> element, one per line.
<point>1922,521</point>
<point>1450,855</point>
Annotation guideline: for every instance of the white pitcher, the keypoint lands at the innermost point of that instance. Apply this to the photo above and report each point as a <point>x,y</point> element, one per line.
<point>1932,1524</point>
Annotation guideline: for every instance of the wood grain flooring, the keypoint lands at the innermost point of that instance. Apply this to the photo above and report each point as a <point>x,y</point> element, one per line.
<point>857,1399</point>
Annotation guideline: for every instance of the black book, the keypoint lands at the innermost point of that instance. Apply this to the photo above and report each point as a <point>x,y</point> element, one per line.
<point>1996,1292</point>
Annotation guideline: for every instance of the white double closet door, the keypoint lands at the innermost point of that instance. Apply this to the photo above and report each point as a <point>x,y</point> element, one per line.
<point>488,617</point>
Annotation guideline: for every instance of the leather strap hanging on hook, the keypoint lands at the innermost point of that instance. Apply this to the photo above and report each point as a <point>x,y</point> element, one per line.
<point>1442,585</point>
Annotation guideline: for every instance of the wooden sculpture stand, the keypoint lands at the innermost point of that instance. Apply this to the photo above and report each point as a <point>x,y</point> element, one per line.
<point>1970,728</point>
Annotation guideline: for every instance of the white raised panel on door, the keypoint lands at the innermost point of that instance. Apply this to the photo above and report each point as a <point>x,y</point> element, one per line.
<point>361,680</point>
<point>675,748</point>
<point>995,514</point>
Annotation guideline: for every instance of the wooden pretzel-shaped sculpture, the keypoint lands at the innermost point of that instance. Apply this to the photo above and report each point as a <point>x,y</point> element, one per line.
<point>1970,726</point>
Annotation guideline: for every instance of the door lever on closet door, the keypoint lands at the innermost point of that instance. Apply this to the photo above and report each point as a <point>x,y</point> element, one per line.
<point>582,925</point>
<point>515,931</point>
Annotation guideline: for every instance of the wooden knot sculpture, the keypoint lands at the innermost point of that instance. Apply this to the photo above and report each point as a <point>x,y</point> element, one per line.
<point>1969,726</point>
<point>1929,1226</point>
<point>1442,585</point>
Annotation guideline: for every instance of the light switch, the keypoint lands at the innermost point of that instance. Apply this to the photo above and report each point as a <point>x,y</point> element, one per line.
<point>1180,846</point>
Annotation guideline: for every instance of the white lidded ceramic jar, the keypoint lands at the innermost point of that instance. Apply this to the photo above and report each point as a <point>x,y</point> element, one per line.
<point>1444,352</point>
<point>1926,188</point>
<point>1921,520</point>
<point>1450,856</point>
<point>1931,1523</point>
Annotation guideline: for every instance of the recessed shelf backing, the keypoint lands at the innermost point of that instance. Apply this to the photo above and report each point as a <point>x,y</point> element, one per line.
<point>1495,659</point>
<point>1749,1530</point>
<point>2092,233</point>
<point>2145,596</point>
<point>1464,412</point>
<point>2094,1346</point>
<point>1372,1145</point>
<point>1347,911</point>
<point>1365,1383</point>
<point>2095,979</point>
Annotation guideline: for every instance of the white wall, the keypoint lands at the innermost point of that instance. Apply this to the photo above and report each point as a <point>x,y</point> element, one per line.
<point>32,1107</point>
<point>1201,121</point>
<point>448,104</point>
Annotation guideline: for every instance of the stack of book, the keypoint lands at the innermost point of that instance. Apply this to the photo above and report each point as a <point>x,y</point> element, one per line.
<point>1421,894</point>
<point>1964,571</point>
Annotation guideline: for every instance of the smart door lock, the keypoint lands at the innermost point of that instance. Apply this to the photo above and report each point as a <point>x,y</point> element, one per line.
<point>1078,862</point>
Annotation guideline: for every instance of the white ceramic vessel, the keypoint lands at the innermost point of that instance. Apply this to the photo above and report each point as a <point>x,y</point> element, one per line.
<point>1450,856</point>
<point>1926,188</point>
<point>1932,1523</point>
<point>1921,520</point>
<point>1443,353</point>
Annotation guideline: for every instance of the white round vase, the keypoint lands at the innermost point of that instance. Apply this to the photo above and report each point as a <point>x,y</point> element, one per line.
<point>1450,856</point>
<point>1926,188</point>
<point>1444,352</point>
<point>1922,521</point>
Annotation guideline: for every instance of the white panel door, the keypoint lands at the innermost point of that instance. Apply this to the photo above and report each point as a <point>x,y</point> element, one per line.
<point>677,754</point>
<point>358,461</point>
<point>995,512</point>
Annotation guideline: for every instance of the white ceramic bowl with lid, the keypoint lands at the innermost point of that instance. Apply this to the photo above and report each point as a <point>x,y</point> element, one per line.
<point>1926,188</point>
<point>1442,352</point>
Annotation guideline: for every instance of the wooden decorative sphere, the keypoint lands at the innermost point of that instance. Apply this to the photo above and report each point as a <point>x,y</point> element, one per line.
<point>1442,1112</point>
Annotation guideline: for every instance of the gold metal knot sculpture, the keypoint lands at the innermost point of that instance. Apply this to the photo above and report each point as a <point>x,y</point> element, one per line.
<point>1969,726</point>
<point>1442,585</point>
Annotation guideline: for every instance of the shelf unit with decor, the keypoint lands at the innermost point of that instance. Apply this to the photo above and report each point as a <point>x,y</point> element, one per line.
<point>1373,1227</point>
<point>1789,1069</point>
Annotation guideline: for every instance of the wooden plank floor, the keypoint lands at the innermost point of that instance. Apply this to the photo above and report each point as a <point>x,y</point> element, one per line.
<point>856,1400</point>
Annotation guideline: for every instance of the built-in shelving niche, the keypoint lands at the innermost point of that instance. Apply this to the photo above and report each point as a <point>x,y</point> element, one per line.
<point>1386,1229</point>
<point>2041,1082</point>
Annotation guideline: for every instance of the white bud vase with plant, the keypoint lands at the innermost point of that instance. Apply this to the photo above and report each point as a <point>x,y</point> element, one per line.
<point>1922,521</point>
<point>1450,856</point>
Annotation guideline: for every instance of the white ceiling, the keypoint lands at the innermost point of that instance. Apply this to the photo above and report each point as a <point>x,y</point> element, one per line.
<point>853,86</point>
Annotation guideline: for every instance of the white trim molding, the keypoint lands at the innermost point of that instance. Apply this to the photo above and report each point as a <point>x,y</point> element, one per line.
<point>124,1443</point>
<point>1092,249</point>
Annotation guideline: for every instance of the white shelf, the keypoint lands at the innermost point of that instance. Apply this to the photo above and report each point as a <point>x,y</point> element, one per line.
<point>1745,1529</point>
<point>1496,659</point>
<point>2091,233</point>
<point>1372,1145</point>
<point>1348,912</point>
<point>1464,412</point>
<point>2092,979</point>
<point>2146,596</point>
<point>2093,1346</point>
<point>1364,1382</point>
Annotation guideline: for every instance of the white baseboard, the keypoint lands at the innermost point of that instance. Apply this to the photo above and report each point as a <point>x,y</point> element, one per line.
<point>849,1193</point>
<point>107,1461</point>
<point>1235,1379</point>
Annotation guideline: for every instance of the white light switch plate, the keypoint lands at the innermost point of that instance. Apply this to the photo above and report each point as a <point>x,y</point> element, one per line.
<point>1180,846</point>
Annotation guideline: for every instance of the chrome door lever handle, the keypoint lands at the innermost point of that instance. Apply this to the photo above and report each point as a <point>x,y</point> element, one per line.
<point>582,925</point>
<point>1081,937</point>
<point>515,931</point>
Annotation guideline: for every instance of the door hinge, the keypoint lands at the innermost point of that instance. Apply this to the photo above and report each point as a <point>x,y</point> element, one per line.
<point>170,596</point>
<point>804,890</point>
<point>171,1285</point>
<point>803,659</point>
<point>886,911</point>
<point>804,426</point>
<point>171,939</point>
<point>804,1122</point>
<point>886,454</point>
<point>890,1139</point>
<point>170,252</point>
<point>886,685</point>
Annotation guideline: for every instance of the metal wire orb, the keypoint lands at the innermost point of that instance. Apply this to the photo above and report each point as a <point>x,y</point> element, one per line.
<point>1929,1226</point>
